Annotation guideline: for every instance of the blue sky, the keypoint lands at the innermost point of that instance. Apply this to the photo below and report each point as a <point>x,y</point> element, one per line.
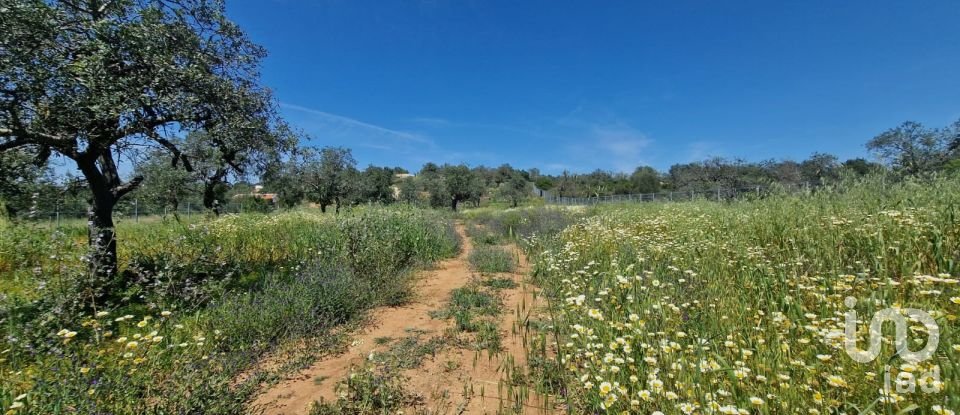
<point>581,85</point>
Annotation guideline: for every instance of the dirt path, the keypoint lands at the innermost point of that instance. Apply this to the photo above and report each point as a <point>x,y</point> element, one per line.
<point>456,380</point>
<point>480,384</point>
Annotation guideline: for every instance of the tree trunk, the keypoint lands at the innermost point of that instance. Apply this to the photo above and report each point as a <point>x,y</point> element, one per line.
<point>323,208</point>
<point>175,207</point>
<point>101,234</point>
<point>102,237</point>
<point>210,190</point>
<point>454,204</point>
<point>210,197</point>
<point>106,189</point>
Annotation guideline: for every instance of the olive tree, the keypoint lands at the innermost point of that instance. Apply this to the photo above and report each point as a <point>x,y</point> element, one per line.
<point>459,181</point>
<point>912,148</point>
<point>376,185</point>
<point>95,80</point>
<point>164,186</point>
<point>327,176</point>
<point>515,188</point>
<point>19,174</point>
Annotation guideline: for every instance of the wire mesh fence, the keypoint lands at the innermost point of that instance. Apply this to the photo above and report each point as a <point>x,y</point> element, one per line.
<point>135,211</point>
<point>718,194</point>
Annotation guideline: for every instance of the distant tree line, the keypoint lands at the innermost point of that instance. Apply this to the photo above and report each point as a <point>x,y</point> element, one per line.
<point>706,175</point>
<point>329,178</point>
<point>907,150</point>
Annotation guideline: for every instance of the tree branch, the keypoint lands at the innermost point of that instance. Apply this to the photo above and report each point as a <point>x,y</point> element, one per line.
<point>127,187</point>
<point>10,144</point>
<point>23,137</point>
<point>170,146</point>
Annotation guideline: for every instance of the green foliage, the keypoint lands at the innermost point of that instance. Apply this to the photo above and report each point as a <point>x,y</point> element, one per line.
<point>164,185</point>
<point>499,283</point>
<point>409,192</point>
<point>467,304</point>
<point>19,179</point>
<point>460,183</point>
<point>377,386</point>
<point>645,180</point>
<point>482,236</point>
<point>219,294</point>
<point>375,186</point>
<point>515,188</point>
<point>492,259</point>
<point>92,83</point>
<point>747,294</point>
<point>474,299</point>
<point>410,351</point>
<point>544,183</point>
<point>488,337</point>
<point>525,223</point>
<point>328,176</point>
<point>251,203</point>
<point>370,389</point>
<point>912,148</point>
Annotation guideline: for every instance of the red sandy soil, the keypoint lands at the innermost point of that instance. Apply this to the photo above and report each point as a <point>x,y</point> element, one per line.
<point>456,380</point>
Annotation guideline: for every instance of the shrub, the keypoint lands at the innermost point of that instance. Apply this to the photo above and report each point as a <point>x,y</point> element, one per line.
<point>481,236</point>
<point>492,259</point>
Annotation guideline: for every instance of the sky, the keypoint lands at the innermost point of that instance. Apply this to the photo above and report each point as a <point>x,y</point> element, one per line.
<point>581,85</point>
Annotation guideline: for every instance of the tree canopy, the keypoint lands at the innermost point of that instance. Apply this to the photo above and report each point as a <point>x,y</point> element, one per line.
<point>913,149</point>
<point>98,81</point>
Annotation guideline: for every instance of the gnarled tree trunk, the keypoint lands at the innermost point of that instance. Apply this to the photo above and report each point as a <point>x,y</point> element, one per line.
<point>102,237</point>
<point>106,188</point>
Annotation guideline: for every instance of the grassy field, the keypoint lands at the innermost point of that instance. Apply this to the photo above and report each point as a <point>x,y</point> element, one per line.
<point>740,307</point>
<point>198,306</point>
<point>682,308</point>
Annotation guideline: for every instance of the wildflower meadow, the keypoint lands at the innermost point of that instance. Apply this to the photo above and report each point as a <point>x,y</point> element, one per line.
<point>198,306</point>
<point>741,308</point>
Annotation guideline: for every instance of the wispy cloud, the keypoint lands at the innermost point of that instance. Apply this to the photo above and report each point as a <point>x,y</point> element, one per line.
<point>624,145</point>
<point>432,122</point>
<point>447,124</point>
<point>701,150</point>
<point>390,146</point>
<point>345,124</point>
<point>613,146</point>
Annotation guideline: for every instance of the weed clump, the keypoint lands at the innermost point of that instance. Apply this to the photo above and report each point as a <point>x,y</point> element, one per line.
<point>488,259</point>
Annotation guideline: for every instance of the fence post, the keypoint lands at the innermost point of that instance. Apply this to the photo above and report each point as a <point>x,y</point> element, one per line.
<point>136,210</point>
<point>188,208</point>
<point>718,194</point>
<point>58,214</point>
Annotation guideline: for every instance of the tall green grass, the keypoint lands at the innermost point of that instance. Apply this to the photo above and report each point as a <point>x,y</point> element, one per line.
<point>492,259</point>
<point>201,304</point>
<point>737,307</point>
